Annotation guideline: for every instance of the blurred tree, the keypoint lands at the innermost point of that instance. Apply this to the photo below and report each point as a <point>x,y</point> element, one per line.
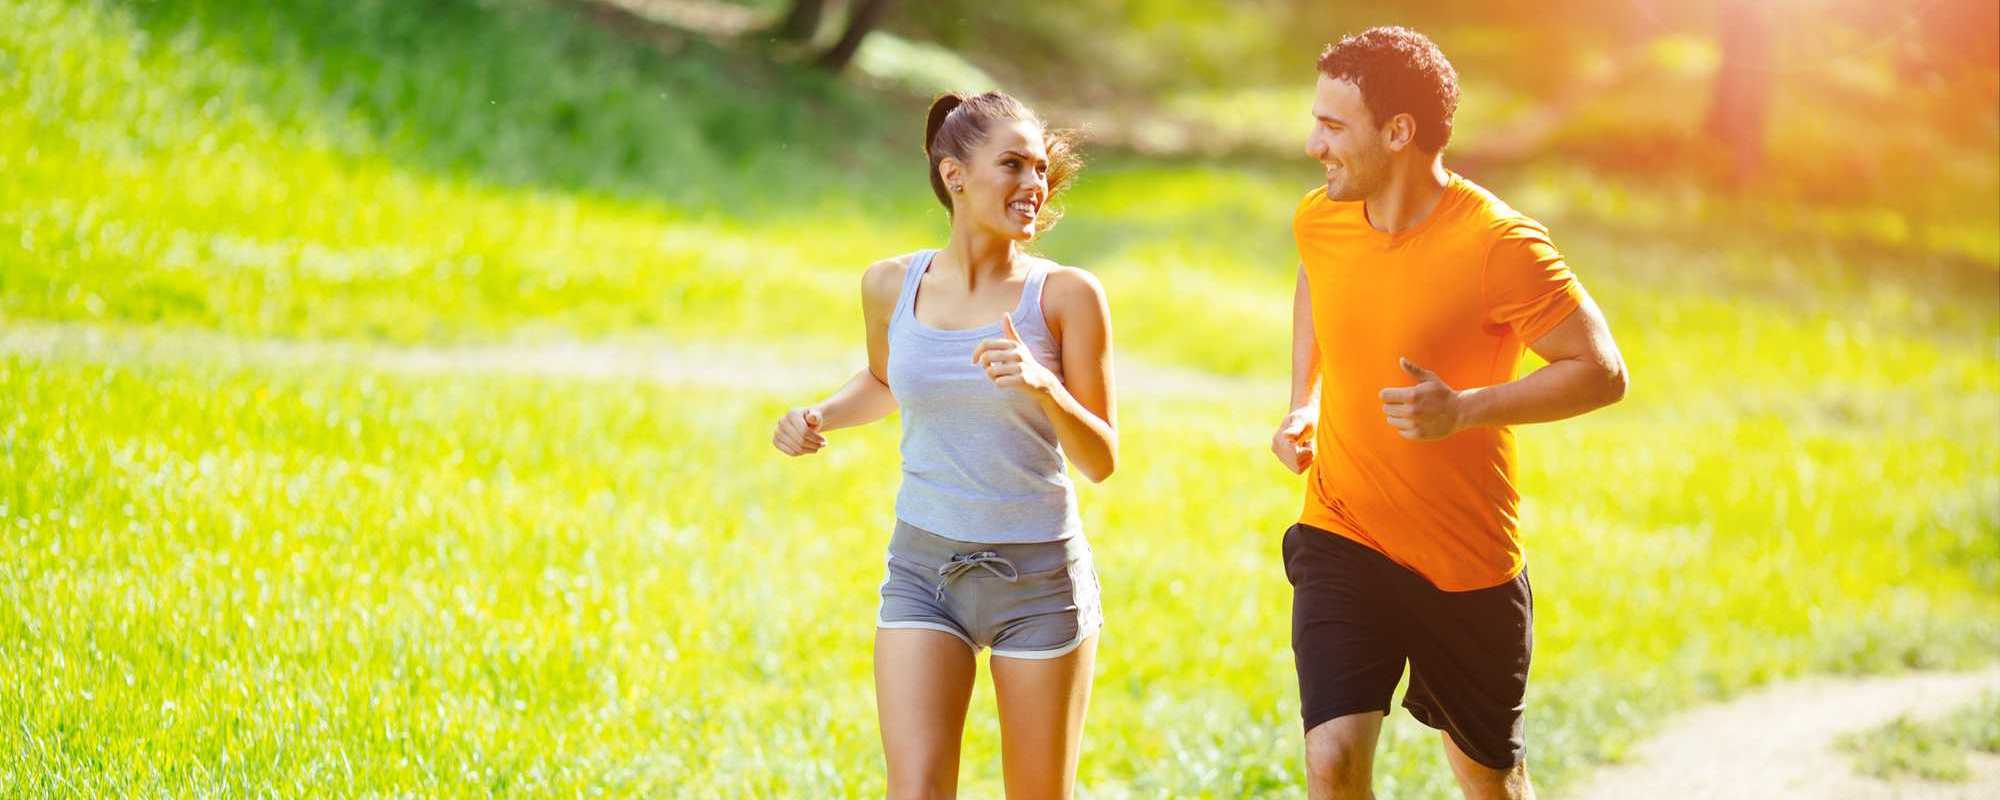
<point>1742,95</point>
<point>1097,52</point>
<point>669,39</point>
<point>865,16</point>
<point>801,23</point>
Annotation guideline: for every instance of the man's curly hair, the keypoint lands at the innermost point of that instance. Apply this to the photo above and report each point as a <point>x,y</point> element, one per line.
<point>1399,71</point>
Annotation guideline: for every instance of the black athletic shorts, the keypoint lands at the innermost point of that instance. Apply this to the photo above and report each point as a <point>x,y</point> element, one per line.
<point>1357,616</point>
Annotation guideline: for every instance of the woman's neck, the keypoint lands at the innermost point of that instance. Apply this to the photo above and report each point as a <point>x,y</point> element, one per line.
<point>978,257</point>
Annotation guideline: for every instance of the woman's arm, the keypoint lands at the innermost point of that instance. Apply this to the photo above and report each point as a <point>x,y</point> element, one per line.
<point>1081,405</point>
<point>865,397</point>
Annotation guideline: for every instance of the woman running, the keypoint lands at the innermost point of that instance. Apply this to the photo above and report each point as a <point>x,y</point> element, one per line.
<point>1001,364</point>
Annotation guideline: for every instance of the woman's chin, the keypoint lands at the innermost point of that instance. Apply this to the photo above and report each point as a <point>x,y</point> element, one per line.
<point>1015,230</point>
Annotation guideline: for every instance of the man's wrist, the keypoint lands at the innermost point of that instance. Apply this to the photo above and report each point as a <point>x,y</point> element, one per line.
<point>1473,406</point>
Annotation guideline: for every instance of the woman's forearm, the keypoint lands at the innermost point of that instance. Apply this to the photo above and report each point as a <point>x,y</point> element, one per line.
<point>863,399</point>
<point>1090,442</point>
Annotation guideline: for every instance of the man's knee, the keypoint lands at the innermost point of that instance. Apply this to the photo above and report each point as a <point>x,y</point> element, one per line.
<point>1340,758</point>
<point>1486,783</point>
<point>1515,784</point>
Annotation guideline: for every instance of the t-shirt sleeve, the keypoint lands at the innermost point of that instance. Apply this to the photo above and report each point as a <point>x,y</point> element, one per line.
<point>1306,202</point>
<point>1528,287</point>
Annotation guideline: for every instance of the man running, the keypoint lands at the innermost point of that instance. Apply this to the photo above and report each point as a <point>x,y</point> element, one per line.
<point>1417,292</point>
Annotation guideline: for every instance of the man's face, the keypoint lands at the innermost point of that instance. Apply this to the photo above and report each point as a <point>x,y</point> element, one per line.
<point>1347,141</point>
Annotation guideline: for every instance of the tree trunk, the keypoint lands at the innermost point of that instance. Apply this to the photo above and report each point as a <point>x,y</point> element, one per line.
<point>866,14</point>
<point>1742,94</point>
<point>802,22</point>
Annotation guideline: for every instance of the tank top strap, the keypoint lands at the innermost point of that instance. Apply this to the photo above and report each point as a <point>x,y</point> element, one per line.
<point>913,275</point>
<point>1031,292</point>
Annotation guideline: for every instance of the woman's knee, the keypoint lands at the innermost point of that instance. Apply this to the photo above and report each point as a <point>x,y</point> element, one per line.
<point>922,784</point>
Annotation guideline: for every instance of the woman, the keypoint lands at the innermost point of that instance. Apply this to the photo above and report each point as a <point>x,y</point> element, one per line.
<point>1001,364</point>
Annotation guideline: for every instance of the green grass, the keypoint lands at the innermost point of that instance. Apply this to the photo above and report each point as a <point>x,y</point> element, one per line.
<point>159,173</point>
<point>1935,750</point>
<point>285,170</point>
<point>243,575</point>
<point>226,577</point>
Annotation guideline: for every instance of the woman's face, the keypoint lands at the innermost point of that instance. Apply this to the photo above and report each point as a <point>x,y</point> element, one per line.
<point>1005,180</point>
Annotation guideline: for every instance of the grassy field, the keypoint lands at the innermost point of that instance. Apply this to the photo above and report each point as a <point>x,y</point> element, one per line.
<point>226,574</point>
<point>1935,750</point>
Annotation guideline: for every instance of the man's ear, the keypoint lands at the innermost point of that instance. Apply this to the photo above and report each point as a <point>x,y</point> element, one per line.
<point>1400,133</point>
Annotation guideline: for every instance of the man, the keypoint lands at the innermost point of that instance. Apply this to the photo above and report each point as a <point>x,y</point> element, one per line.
<point>1417,292</point>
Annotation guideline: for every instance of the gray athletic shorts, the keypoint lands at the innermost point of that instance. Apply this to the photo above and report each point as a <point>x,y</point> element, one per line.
<point>1023,600</point>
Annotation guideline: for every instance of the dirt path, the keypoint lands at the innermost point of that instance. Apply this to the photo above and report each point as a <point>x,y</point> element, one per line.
<point>704,365</point>
<point>1778,743</point>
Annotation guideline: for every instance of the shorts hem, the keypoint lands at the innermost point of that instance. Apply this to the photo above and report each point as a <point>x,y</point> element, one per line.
<point>927,626</point>
<point>1321,716</point>
<point>1057,652</point>
<point>1423,714</point>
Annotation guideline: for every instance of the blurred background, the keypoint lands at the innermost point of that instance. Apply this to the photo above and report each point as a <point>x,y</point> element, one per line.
<point>386,385</point>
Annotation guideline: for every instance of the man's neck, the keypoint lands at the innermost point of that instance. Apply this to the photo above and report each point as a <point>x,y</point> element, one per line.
<point>1412,193</point>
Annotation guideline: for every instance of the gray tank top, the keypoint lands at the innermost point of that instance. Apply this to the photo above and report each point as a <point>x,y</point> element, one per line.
<point>980,463</point>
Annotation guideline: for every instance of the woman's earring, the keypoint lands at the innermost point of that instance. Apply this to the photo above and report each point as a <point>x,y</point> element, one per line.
<point>957,187</point>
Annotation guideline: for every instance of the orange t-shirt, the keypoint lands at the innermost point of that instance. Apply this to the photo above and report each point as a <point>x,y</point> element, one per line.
<point>1462,293</point>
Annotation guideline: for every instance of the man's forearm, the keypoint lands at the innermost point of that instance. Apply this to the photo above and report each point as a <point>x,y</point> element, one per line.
<point>1560,390</point>
<point>1305,351</point>
<point>1305,378</point>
